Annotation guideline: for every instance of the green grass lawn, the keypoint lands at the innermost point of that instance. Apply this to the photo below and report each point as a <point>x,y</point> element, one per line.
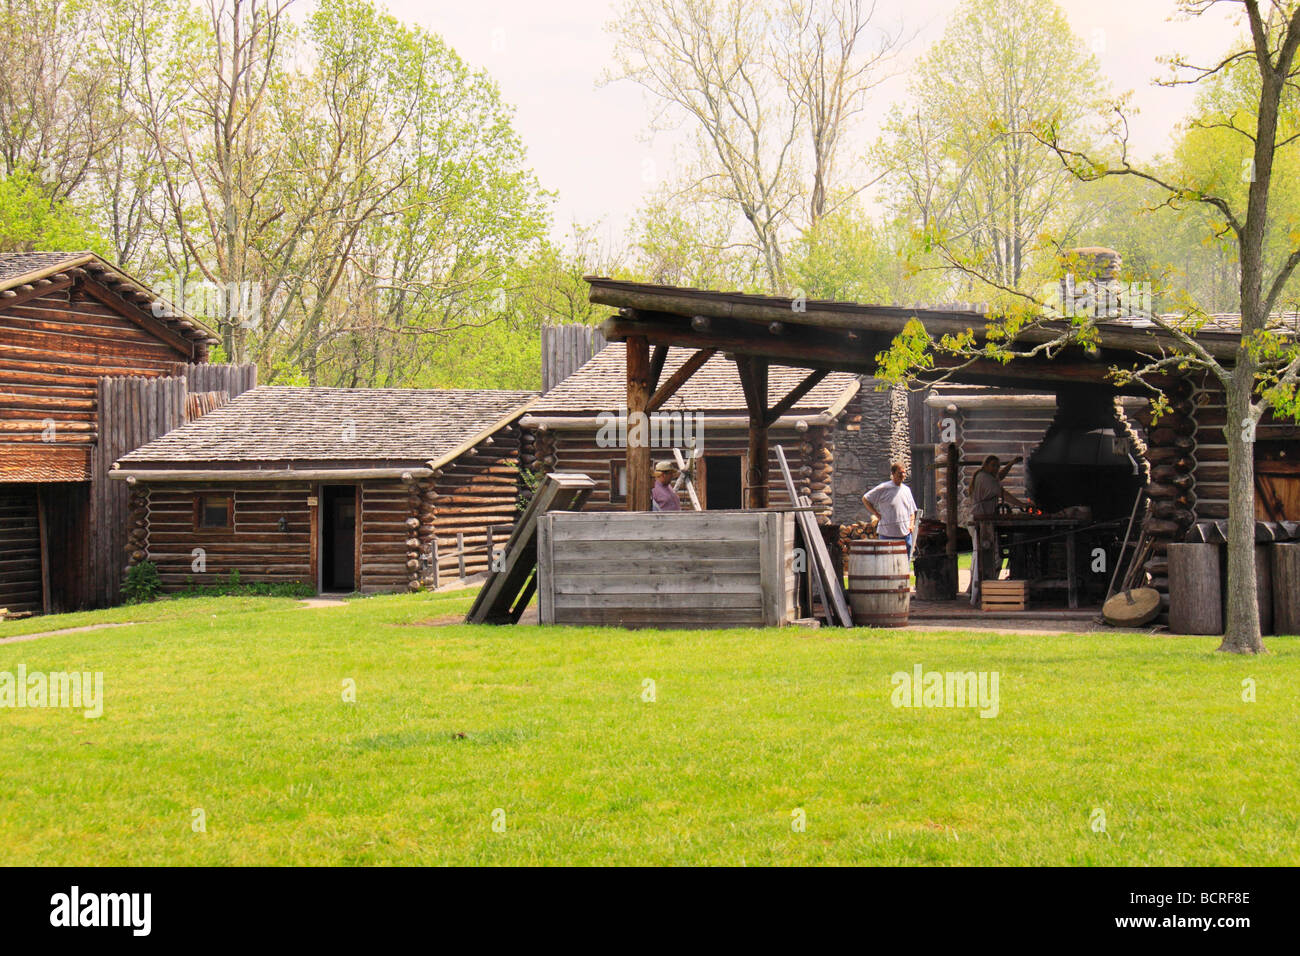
<point>235,706</point>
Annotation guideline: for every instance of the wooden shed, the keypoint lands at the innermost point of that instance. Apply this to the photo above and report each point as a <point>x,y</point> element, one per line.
<point>342,489</point>
<point>81,341</point>
<point>567,429</point>
<point>1089,460</point>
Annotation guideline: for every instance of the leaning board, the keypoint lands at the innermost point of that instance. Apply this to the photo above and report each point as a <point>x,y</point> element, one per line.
<point>667,569</point>
<point>507,591</point>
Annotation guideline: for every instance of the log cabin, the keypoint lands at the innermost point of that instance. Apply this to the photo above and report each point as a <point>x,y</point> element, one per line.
<point>340,489</point>
<point>81,345</point>
<point>565,430</point>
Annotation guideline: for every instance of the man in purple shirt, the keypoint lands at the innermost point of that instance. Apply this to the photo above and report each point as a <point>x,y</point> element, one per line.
<point>663,497</point>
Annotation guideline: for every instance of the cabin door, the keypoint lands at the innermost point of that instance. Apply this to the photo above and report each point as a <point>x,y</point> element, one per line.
<point>338,517</point>
<point>723,485</point>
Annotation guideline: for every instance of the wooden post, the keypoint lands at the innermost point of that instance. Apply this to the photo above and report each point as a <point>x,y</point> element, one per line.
<point>954,462</point>
<point>43,531</point>
<point>638,441</point>
<point>434,558</point>
<point>753,380</point>
<point>314,512</point>
<point>490,535</point>
<point>460,553</point>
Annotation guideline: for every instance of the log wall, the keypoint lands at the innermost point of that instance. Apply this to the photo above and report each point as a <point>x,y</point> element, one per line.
<point>1210,450</point>
<point>1006,432</point>
<point>53,351</point>
<point>386,515</point>
<point>479,490</point>
<point>255,547</point>
<point>20,549</point>
<point>811,456</point>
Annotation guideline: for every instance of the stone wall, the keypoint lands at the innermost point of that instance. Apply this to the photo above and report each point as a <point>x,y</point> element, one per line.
<point>872,432</point>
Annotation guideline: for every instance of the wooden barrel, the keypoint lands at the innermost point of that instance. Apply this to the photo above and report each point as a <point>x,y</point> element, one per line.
<point>878,583</point>
<point>1286,588</point>
<point>1195,605</point>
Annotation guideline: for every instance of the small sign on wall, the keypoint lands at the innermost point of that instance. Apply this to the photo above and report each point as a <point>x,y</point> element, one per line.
<point>311,501</point>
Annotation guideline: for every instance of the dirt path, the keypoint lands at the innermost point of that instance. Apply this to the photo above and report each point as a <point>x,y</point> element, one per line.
<point>67,630</point>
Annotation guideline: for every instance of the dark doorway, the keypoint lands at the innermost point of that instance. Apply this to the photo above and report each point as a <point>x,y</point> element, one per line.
<point>338,538</point>
<point>722,482</point>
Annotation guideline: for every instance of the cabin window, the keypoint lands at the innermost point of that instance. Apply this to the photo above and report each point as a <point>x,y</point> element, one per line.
<point>214,512</point>
<point>618,481</point>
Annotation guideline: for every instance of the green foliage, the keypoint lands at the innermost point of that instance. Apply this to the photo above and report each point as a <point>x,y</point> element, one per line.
<point>233,586</point>
<point>142,583</point>
<point>33,218</point>
<point>529,480</point>
<point>849,256</point>
<point>965,168</point>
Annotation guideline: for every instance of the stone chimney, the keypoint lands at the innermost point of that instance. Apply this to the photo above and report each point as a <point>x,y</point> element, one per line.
<point>1090,286</point>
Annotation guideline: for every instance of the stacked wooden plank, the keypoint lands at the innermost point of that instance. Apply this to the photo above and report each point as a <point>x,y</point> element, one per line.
<point>675,569</point>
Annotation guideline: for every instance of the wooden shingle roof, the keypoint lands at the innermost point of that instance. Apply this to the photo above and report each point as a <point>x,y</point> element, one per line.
<point>292,424</point>
<point>601,385</point>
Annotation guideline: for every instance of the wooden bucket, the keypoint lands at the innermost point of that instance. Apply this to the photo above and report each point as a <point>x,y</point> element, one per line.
<point>878,583</point>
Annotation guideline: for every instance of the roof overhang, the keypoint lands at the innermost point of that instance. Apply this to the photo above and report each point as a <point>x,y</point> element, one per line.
<point>853,316</point>
<point>212,475</point>
<point>847,336</point>
<point>483,435</point>
<point>585,422</point>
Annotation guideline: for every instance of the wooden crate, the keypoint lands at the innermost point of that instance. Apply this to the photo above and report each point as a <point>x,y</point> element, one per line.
<point>1003,595</point>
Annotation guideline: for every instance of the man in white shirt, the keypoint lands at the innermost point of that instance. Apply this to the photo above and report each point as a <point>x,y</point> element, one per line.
<point>893,507</point>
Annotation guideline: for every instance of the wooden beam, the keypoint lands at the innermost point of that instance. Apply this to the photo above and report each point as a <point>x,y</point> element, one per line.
<point>711,306</point>
<point>36,291</point>
<point>657,365</point>
<point>799,391</point>
<point>638,397</point>
<point>753,380</point>
<point>679,378</point>
<point>952,489</point>
<point>833,350</point>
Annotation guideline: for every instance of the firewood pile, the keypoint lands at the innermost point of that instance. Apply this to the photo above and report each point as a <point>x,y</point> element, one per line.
<point>858,531</point>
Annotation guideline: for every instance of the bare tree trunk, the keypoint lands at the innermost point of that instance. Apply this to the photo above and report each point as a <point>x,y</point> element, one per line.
<point>1241,631</point>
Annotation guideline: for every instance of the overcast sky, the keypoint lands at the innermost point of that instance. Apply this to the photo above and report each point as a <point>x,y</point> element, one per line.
<point>589,143</point>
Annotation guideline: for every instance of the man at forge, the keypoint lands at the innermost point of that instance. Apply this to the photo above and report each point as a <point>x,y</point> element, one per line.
<point>987,495</point>
<point>892,506</point>
<point>663,496</point>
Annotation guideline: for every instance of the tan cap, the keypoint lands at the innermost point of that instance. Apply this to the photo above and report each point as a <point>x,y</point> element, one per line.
<point>666,465</point>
